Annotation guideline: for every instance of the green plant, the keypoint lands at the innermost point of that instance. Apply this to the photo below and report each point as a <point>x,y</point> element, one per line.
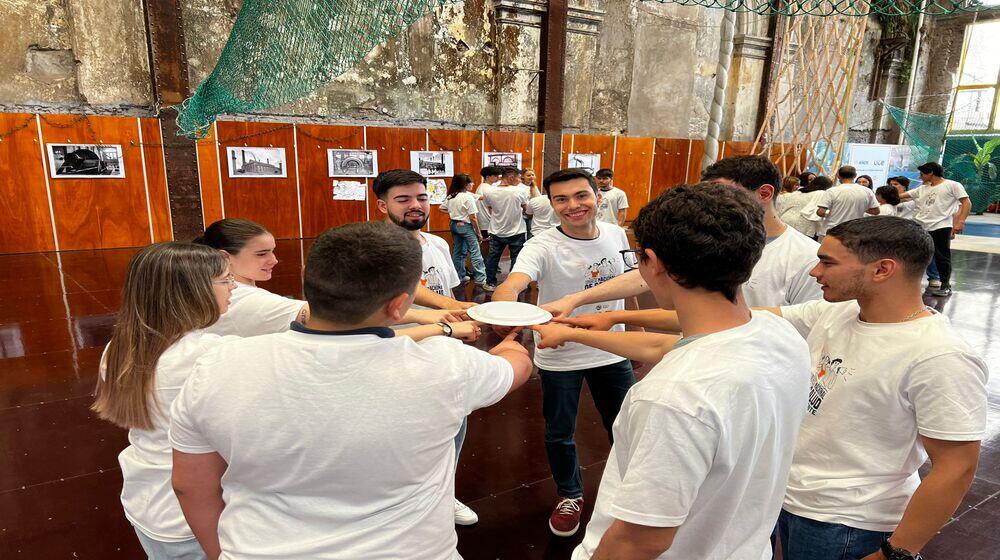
<point>980,159</point>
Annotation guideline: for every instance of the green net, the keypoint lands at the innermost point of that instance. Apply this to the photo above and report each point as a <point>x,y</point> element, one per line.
<point>839,7</point>
<point>281,50</point>
<point>922,132</point>
<point>974,162</point>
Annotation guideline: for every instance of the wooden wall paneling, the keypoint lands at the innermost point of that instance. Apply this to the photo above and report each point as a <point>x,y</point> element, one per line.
<point>670,164</point>
<point>393,146</point>
<point>99,213</point>
<point>595,144</point>
<point>209,177</point>
<point>156,179</point>
<point>538,157</point>
<point>694,161</point>
<point>633,168</point>
<point>319,210</point>
<point>520,142</point>
<point>567,148</point>
<point>468,148</point>
<point>25,219</point>
<point>270,201</point>
<point>735,148</point>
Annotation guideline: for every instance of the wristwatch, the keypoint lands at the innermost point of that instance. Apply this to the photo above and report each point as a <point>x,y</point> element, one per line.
<point>893,553</point>
<point>445,327</point>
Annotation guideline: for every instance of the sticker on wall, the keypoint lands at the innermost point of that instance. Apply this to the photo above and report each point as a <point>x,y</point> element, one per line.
<point>349,190</point>
<point>502,159</point>
<point>86,161</point>
<point>256,162</point>
<point>590,162</point>
<point>433,164</point>
<point>437,190</point>
<point>352,163</point>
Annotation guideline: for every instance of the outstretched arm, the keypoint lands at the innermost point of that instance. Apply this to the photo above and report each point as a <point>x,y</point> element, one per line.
<point>639,346</point>
<point>620,287</point>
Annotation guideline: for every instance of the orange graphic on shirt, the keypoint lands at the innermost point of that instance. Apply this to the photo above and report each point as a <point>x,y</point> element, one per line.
<point>423,281</point>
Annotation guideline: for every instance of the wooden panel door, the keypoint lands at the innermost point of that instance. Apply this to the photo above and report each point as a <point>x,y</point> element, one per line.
<point>156,179</point>
<point>209,176</point>
<point>25,220</point>
<point>272,202</point>
<point>467,146</point>
<point>106,212</point>
<point>319,210</point>
<point>393,146</point>
<point>633,167</point>
<point>670,164</point>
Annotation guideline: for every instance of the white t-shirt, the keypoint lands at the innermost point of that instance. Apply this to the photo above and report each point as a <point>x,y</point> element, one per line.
<point>704,443</point>
<point>506,209</point>
<point>255,311</point>
<point>937,204</point>
<point>484,216</point>
<point>781,276</point>
<point>612,201</point>
<point>846,202</point>
<point>543,217</point>
<point>875,388</point>
<point>905,209</point>
<point>147,494</point>
<point>886,210</point>
<point>562,265</point>
<point>338,446</point>
<point>461,206</point>
<point>438,273</point>
<point>790,207</point>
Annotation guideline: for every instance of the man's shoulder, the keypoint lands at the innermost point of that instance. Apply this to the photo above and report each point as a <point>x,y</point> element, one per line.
<point>434,240</point>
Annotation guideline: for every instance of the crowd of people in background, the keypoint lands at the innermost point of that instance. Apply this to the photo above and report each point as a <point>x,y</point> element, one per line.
<point>804,384</point>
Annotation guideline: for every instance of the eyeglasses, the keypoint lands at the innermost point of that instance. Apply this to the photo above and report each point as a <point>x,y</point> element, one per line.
<point>631,258</point>
<point>229,281</point>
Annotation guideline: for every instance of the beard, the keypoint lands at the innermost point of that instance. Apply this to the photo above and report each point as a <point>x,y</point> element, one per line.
<point>411,224</point>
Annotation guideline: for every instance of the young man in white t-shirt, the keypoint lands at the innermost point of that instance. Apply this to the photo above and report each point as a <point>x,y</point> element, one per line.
<point>703,444</point>
<point>507,229</point>
<point>335,439</point>
<point>491,176</point>
<point>942,207</point>
<point>581,252</point>
<point>846,201</point>
<point>543,217</point>
<point>614,201</point>
<point>780,277</point>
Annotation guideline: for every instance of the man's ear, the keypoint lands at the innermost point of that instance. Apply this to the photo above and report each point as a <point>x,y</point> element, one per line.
<point>397,307</point>
<point>885,269</point>
<point>766,192</point>
<point>380,204</point>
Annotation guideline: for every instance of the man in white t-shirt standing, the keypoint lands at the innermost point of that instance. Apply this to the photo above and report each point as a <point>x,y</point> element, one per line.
<point>846,201</point>
<point>942,207</point>
<point>334,439</point>
<point>491,176</point>
<point>507,229</point>
<point>614,201</point>
<point>892,384</point>
<point>703,443</point>
<point>543,217</point>
<point>578,254</point>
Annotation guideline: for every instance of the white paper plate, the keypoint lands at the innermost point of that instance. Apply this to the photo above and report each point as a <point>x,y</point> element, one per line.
<point>509,314</point>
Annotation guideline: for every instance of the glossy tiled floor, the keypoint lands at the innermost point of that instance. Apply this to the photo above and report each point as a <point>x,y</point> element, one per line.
<point>59,476</point>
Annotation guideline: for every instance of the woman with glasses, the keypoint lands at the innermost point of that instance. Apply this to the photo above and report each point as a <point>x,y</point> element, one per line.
<point>173,293</point>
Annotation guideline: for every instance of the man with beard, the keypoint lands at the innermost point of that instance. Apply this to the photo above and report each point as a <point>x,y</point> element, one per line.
<point>402,197</point>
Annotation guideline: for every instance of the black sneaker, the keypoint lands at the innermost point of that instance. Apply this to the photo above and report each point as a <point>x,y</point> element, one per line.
<point>943,291</point>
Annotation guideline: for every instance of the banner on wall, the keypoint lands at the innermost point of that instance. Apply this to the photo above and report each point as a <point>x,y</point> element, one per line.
<point>881,161</point>
<point>86,161</point>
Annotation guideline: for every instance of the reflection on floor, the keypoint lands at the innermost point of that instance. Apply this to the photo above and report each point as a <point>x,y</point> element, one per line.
<point>59,476</point>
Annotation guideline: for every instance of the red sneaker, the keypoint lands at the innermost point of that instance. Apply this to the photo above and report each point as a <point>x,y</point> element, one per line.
<point>565,519</point>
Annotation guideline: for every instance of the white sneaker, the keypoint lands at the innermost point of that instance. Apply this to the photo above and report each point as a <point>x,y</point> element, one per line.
<point>934,284</point>
<point>464,514</point>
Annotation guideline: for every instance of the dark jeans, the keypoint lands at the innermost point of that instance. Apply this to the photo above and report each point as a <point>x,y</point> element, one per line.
<point>465,243</point>
<point>942,254</point>
<point>497,245</point>
<point>806,539</point>
<point>560,402</point>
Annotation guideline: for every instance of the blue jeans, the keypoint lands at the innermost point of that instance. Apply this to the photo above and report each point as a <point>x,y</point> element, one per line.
<point>159,550</point>
<point>464,242</point>
<point>806,539</point>
<point>932,271</point>
<point>497,245</point>
<point>560,402</point>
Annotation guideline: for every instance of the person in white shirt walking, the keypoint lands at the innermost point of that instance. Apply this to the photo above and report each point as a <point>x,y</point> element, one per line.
<point>507,230</point>
<point>528,180</point>
<point>703,444</point>
<point>614,201</point>
<point>942,207</point>
<point>543,217</point>
<point>334,439</point>
<point>578,254</point>
<point>846,201</point>
<point>461,207</point>
<point>491,176</point>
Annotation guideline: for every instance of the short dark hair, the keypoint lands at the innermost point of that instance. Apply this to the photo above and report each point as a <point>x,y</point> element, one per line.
<point>932,167</point>
<point>707,235</point>
<point>394,178</point>
<point>564,175</point>
<point>489,171</point>
<point>847,172</point>
<point>509,170</point>
<point>887,237</point>
<point>230,234</point>
<point>752,172</point>
<point>604,173</point>
<point>354,269</point>
<point>902,180</point>
<point>819,183</point>
<point>889,194</point>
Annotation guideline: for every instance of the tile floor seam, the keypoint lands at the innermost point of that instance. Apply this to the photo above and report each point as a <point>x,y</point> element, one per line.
<point>526,485</point>
<point>61,479</point>
<point>45,402</point>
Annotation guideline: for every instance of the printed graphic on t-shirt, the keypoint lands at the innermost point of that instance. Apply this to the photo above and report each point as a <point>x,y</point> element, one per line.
<point>828,373</point>
<point>599,273</point>
<point>432,280</point>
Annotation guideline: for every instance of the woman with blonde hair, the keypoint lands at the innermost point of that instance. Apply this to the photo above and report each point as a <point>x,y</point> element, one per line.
<point>173,291</point>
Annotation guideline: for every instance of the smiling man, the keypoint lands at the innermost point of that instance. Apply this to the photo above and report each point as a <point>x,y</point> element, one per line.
<point>578,254</point>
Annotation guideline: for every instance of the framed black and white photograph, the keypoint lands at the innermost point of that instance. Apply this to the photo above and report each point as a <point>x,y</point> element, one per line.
<point>256,162</point>
<point>502,159</point>
<point>590,162</point>
<point>86,161</point>
<point>352,163</point>
<point>433,164</point>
